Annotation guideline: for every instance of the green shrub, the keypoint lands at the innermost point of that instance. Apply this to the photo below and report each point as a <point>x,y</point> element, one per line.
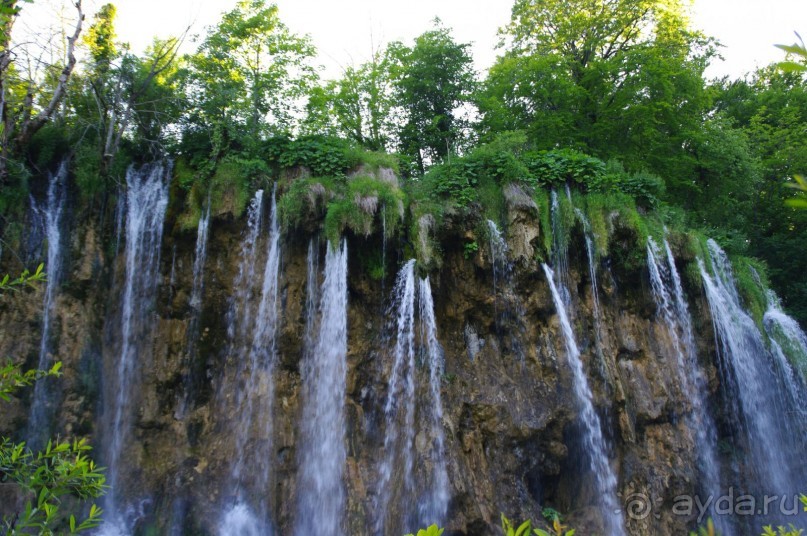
<point>564,165</point>
<point>324,156</point>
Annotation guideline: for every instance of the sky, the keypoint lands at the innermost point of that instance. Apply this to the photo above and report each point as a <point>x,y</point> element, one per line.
<point>345,31</point>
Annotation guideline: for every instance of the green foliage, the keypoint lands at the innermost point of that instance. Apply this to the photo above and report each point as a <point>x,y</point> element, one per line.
<point>798,50</point>
<point>46,478</point>
<point>781,530</point>
<point>469,249</point>
<point>303,198</point>
<point>541,198</point>
<point>708,530</point>
<point>61,470</point>
<point>87,171</point>
<point>611,212</point>
<point>432,80</point>
<point>800,200</point>
<point>26,278</point>
<point>324,156</point>
<point>564,165</point>
<point>431,530</point>
<point>247,75</point>
<point>11,379</point>
<point>524,529</point>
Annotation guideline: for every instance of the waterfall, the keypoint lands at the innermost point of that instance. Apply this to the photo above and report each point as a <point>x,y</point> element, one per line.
<point>750,379</point>
<point>39,420</point>
<point>323,452</point>
<point>397,482</point>
<point>560,246</point>
<point>498,254</point>
<point>191,378</point>
<point>239,312</point>
<point>253,429</point>
<point>508,309</point>
<point>146,201</point>
<point>671,306</point>
<point>434,504</point>
<point>789,345</point>
<point>592,432</point>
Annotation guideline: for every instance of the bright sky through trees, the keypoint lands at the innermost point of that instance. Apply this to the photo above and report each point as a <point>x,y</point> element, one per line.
<point>345,31</point>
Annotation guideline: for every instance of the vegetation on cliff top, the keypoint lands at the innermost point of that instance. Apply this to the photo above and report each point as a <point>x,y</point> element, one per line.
<point>621,112</point>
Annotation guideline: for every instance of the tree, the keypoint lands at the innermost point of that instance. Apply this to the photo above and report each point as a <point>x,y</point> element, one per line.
<point>126,94</point>
<point>26,105</point>
<point>48,478</point>
<point>248,76</point>
<point>433,80</point>
<point>615,78</point>
<point>358,106</point>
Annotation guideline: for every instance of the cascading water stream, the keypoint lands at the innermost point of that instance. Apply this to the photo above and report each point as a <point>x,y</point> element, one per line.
<point>788,345</point>
<point>419,501</point>
<point>748,370</point>
<point>671,305</point>
<point>249,513</point>
<point>560,253</point>
<point>593,439</point>
<point>321,492</point>
<point>39,420</point>
<point>498,253</point>
<point>146,201</point>
<point>508,309</point>
<point>400,397</point>
<point>195,302</point>
<point>434,503</point>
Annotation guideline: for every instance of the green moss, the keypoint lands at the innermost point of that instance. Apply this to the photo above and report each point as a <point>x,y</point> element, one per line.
<point>605,211</point>
<point>303,198</point>
<point>491,198</point>
<point>373,160</point>
<point>750,275</point>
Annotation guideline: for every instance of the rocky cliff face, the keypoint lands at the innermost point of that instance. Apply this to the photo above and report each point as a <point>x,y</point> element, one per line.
<point>510,418</point>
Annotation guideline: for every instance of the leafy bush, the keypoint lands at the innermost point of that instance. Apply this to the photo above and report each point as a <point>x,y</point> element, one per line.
<point>564,165</point>
<point>324,156</point>
<point>304,197</point>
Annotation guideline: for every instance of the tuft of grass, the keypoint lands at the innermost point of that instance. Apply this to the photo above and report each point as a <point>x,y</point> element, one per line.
<point>363,201</point>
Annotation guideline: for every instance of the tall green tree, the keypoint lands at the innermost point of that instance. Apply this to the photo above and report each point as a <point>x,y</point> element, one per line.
<point>249,76</point>
<point>434,79</point>
<point>770,109</point>
<point>617,78</point>
<point>358,106</point>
